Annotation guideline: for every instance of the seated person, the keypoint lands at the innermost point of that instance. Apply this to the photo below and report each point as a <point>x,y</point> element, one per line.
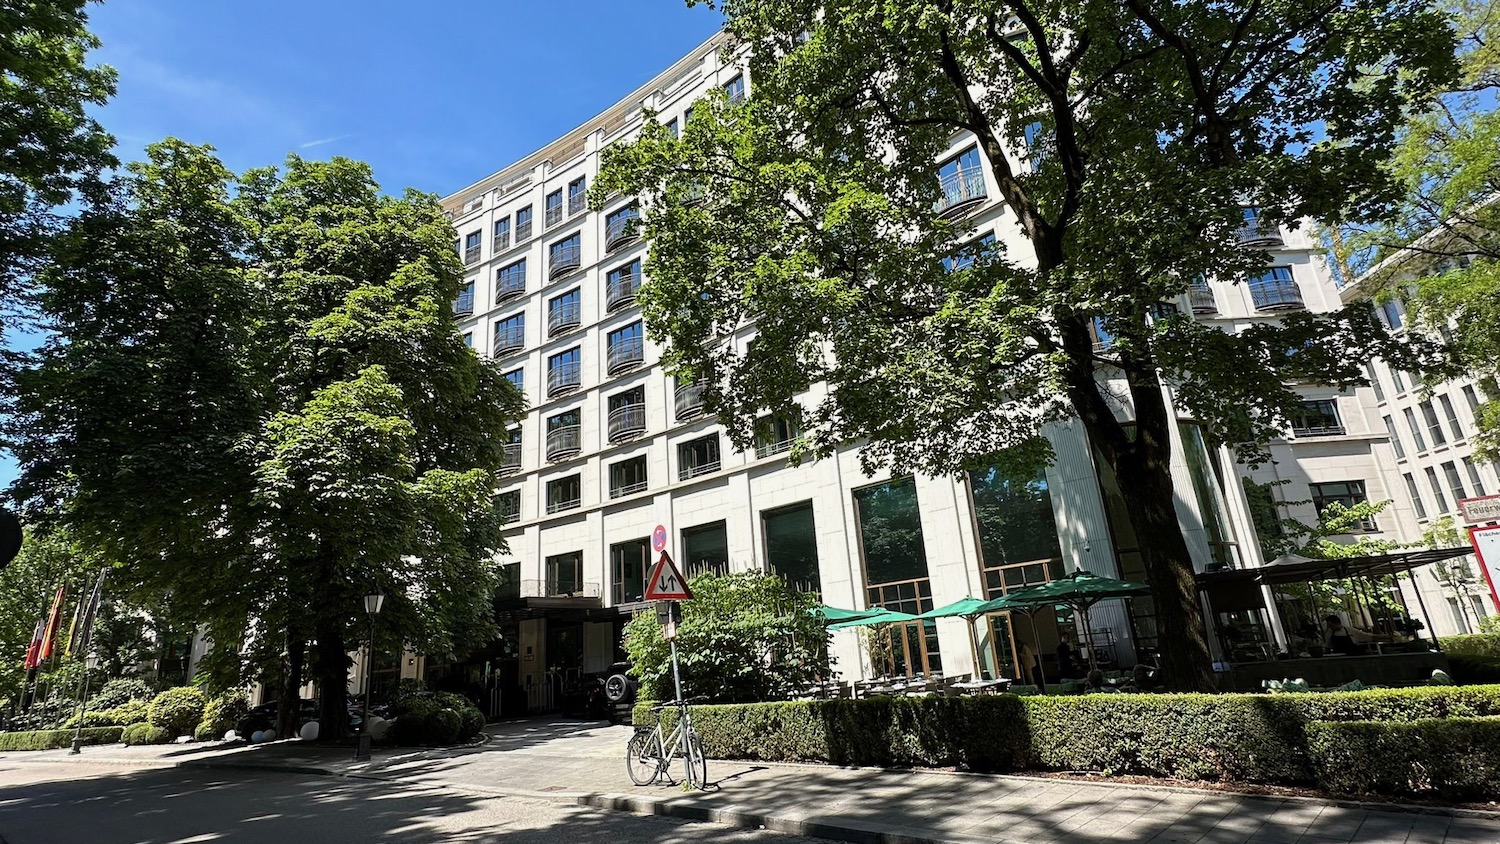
<point>1344,640</point>
<point>1095,683</point>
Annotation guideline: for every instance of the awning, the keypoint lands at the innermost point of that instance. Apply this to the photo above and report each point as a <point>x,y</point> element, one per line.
<point>1303,570</point>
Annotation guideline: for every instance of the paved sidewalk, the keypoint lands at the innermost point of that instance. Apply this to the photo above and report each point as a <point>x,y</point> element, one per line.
<point>582,762</point>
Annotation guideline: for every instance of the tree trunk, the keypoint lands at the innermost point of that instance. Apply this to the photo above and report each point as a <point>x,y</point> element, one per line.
<point>289,703</point>
<point>333,676</point>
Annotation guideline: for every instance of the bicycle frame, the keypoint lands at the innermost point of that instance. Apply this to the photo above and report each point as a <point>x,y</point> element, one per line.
<point>671,745</point>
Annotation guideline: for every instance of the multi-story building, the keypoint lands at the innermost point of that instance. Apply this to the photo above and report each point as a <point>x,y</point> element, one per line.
<point>612,446</point>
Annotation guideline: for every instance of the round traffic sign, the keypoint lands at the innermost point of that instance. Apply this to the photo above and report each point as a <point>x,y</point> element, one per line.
<point>659,538</point>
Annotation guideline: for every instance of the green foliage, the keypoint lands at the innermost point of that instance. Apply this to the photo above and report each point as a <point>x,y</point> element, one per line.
<point>177,710</point>
<point>1232,737</point>
<point>220,715</point>
<point>118,691</point>
<point>53,739</point>
<point>1452,759</point>
<point>445,726</point>
<point>744,637</point>
<point>45,714</point>
<point>146,733</point>
<point>47,560</point>
<point>442,718</point>
<point>1476,644</point>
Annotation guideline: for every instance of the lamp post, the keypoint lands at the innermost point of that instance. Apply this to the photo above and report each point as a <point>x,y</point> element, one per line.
<point>373,604</point>
<point>90,664</point>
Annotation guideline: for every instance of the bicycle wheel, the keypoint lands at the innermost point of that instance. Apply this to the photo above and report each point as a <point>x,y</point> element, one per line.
<point>643,757</point>
<point>695,761</point>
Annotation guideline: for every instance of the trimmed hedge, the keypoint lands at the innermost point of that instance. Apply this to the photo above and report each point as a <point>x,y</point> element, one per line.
<point>1231,737</point>
<point>441,718</point>
<point>54,739</point>
<point>1475,644</point>
<point>1454,758</point>
<point>177,710</point>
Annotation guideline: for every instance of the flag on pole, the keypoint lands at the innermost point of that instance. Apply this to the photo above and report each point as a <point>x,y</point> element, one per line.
<point>34,650</point>
<point>54,621</point>
<point>86,624</point>
<point>73,628</point>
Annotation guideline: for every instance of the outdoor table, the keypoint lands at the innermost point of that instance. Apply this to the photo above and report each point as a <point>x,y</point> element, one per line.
<point>980,687</point>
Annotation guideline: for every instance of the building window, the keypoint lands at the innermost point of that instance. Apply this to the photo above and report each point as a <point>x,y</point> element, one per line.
<point>554,208</point>
<point>1390,429</point>
<point>960,181</point>
<point>1416,430</point>
<point>472,247</point>
<point>523,224</point>
<point>970,252</point>
<point>698,457</point>
<point>1434,429</point>
<point>1471,398</point>
<point>564,435</point>
<point>1437,490</point>
<point>512,448</point>
<point>1474,479</point>
<point>705,548</point>
<point>621,227</point>
<point>1036,144</point>
<point>1276,290</point>
<point>564,372</point>
<point>627,414</point>
<point>510,281</point>
<point>564,313</point>
<point>469,339</point>
<point>564,494</point>
<point>1318,418</point>
<point>578,195</point>
<point>629,564</point>
<point>1018,542</point>
<point>792,546</point>
<point>464,304</point>
<point>1455,483</point>
<point>1347,493</point>
<point>1398,381</point>
<point>621,284</point>
<point>1452,416</point>
<point>735,88</point>
<point>1416,495</point>
<point>895,560</point>
<point>565,573</point>
<point>502,235</point>
<point>1374,377</point>
<point>564,256</point>
<point>627,476</point>
<point>626,347</point>
<point>1390,312</point>
<point>672,127</point>
<point>517,377</point>
<point>775,434</point>
<point>508,506</point>
<point>510,334</point>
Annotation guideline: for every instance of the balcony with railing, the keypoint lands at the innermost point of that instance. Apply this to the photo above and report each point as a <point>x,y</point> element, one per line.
<point>1306,428</point>
<point>765,447</point>
<point>564,317</point>
<point>554,215</point>
<point>464,304</point>
<point>523,232</point>
<point>577,202</point>
<point>626,354</point>
<point>512,462</point>
<point>471,254</point>
<point>622,488</point>
<point>1201,298</point>
<point>961,191</point>
<point>563,378</point>
<point>619,290</point>
<point>510,286</point>
<point>558,588</point>
<point>688,401</point>
<point>500,242</point>
<point>620,231</point>
<point>626,421</point>
<point>565,258</point>
<point>563,442</point>
<point>509,339</point>
<point>1280,294</point>
<point>688,471</point>
<point>1255,232</point>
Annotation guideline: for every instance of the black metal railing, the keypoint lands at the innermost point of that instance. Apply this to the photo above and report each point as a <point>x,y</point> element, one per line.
<point>565,258</point>
<point>509,339</point>
<point>563,317</point>
<point>1201,298</point>
<point>554,215</point>
<point>1278,295</point>
<point>1258,234</point>
<point>620,231</point>
<point>619,290</point>
<point>626,421</point>
<point>688,400</point>
<point>563,442</point>
<point>577,202</point>
<point>501,241</point>
<point>509,286</point>
<point>625,354</point>
<point>561,378</point>
<point>523,231</point>
<point>961,190</point>
<point>512,462</point>
<point>464,304</point>
<point>471,255</point>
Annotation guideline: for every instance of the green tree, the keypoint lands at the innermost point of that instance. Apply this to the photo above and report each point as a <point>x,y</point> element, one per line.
<point>49,146</point>
<point>744,637</point>
<point>1123,140</point>
<point>1439,249</point>
<point>257,400</point>
<point>27,587</point>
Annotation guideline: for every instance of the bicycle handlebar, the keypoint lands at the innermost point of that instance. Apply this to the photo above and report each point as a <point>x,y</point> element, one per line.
<point>678,703</point>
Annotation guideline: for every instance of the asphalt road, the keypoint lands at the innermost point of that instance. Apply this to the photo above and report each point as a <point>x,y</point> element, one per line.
<point>72,803</point>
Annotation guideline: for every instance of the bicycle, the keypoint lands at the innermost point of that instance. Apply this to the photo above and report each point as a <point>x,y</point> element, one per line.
<point>649,755</point>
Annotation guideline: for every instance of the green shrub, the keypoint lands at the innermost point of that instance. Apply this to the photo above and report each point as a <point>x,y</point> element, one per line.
<point>1231,737</point>
<point>91,719</point>
<point>53,739</point>
<point>220,715</point>
<point>146,733</point>
<point>473,722</point>
<point>444,726</point>
<point>47,714</point>
<point>1455,758</point>
<point>1468,670</point>
<point>119,691</point>
<point>413,717</point>
<point>177,710</point>
<point>1476,644</point>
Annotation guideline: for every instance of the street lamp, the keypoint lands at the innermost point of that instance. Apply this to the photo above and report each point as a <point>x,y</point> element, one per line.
<point>90,664</point>
<point>373,604</point>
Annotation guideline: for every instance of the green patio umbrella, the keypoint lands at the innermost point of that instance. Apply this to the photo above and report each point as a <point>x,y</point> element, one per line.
<point>967,609</point>
<point>885,616</point>
<point>1008,603</point>
<point>1079,590</point>
<point>833,615</point>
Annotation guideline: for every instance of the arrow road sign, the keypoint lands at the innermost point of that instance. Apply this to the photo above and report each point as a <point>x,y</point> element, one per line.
<point>666,583</point>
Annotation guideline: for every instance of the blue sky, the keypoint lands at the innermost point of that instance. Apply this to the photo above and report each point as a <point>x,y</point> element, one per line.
<point>432,96</point>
